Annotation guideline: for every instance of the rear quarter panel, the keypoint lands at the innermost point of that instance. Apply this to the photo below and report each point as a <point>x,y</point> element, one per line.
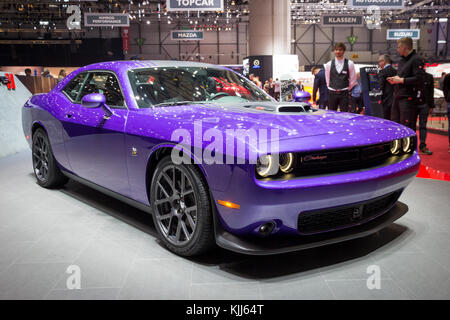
<point>46,110</point>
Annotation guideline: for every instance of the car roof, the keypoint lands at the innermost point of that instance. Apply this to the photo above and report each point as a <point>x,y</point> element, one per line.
<point>124,65</point>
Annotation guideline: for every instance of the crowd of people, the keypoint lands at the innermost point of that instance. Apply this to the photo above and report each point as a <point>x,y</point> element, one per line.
<point>273,88</point>
<point>46,73</point>
<point>407,92</point>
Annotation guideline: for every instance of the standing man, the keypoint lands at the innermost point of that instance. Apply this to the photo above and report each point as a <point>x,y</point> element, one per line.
<point>355,96</point>
<point>446,89</point>
<point>425,104</point>
<point>408,83</point>
<point>441,81</point>
<point>320,83</point>
<point>277,89</point>
<point>341,77</point>
<point>387,89</point>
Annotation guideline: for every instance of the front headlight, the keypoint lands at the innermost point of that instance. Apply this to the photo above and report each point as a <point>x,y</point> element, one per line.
<point>267,165</point>
<point>286,162</point>
<point>406,144</point>
<point>395,146</point>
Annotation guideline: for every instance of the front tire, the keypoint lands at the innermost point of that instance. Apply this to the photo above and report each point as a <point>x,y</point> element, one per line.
<point>181,208</point>
<point>45,168</point>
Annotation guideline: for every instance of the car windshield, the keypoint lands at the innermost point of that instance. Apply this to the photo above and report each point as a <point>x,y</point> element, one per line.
<point>162,86</point>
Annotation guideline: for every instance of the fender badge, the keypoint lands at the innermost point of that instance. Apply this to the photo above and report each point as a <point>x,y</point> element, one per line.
<point>133,151</point>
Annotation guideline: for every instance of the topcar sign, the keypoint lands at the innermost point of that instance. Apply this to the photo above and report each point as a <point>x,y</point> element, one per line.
<point>342,20</point>
<point>198,5</point>
<point>395,34</point>
<point>106,20</point>
<point>187,35</point>
<point>382,4</point>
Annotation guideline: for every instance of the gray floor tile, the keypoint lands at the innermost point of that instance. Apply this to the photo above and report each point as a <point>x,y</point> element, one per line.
<point>228,291</point>
<point>158,279</point>
<point>357,290</point>
<point>306,288</point>
<point>104,263</point>
<point>30,281</point>
<point>84,294</point>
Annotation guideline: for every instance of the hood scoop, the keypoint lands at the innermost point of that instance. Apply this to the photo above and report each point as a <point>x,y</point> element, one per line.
<point>297,108</point>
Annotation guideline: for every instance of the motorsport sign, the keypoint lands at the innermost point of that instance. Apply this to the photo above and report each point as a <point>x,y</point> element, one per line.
<point>186,35</point>
<point>395,34</point>
<point>194,5</point>
<point>106,20</point>
<point>341,20</point>
<point>382,4</point>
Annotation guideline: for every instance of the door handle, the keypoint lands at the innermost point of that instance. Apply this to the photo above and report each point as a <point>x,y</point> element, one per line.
<point>68,115</point>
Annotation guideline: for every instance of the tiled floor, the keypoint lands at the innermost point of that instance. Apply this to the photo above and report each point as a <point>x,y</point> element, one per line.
<point>43,232</point>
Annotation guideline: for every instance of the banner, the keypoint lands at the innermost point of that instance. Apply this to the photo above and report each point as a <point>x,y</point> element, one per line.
<point>395,34</point>
<point>383,4</point>
<point>194,5</point>
<point>186,35</point>
<point>126,39</point>
<point>341,20</point>
<point>106,20</point>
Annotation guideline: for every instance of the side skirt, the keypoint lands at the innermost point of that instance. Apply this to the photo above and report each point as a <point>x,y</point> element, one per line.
<point>108,192</point>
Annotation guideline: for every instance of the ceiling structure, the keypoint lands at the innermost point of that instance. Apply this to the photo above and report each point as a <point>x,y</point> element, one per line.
<point>47,15</point>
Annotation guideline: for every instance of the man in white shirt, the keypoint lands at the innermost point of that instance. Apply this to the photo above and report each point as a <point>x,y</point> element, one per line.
<point>340,76</point>
<point>277,89</point>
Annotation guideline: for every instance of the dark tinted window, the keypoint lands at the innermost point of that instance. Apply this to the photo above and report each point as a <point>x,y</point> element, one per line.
<point>105,83</point>
<point>74,86</point>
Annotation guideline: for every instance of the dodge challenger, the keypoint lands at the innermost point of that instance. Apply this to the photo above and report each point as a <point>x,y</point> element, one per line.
<point>216,161</point>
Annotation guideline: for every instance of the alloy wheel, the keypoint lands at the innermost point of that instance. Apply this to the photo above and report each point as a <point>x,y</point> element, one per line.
<point>176,205</point>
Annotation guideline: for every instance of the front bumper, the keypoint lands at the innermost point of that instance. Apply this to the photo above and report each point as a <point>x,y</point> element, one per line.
<point>275,245</point>
<point>282,202</point>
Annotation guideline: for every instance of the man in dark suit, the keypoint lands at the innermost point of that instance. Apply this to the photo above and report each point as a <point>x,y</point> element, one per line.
<point>386,70</point>
<point>407,84</point>
<point>320,84</point>
<point>446,89</point>
<point>425,104</point>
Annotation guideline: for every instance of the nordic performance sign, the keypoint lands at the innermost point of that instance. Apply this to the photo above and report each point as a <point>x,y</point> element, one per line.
<point>106,20</point>
<point>395,34</point>
<point>186,35</point>
<point>382,4</point>
<point>197,5</point>
<point>341,20</point>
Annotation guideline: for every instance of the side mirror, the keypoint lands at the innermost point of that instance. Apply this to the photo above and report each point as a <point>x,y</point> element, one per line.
<point>93,100</point>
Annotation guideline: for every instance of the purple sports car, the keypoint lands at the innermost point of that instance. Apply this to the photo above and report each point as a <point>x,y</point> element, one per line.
<point>228,167</point>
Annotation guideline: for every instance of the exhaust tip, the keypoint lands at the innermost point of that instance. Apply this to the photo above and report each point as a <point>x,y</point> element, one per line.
<point>266,228</point>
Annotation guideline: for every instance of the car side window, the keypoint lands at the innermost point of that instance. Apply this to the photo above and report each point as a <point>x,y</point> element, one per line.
<point>73,87</point>
<point>105,83</point>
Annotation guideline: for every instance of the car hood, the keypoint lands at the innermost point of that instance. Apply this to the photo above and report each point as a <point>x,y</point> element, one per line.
<point>295,130</point>
<point>290,124</point>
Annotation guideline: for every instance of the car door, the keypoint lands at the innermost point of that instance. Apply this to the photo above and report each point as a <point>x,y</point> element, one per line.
<point>95,145</point>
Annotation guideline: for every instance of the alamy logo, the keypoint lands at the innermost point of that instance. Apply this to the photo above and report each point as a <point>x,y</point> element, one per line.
<point>374,280</point>
<point>215,146</point>
<point>74,280</point>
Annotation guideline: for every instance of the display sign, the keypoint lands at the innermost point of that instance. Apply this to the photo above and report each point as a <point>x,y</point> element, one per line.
<point>395,34</point>
<point>341,20</point>
<point>198,5</point>
<point>106,20</point>
<point>186,35</point>
<point>382,4</point>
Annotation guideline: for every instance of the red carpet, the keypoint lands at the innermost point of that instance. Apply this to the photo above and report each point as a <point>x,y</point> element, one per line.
<point>436,166</point>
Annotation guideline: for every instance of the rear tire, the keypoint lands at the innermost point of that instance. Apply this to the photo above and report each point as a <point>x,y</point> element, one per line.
<point>181,208</point>
<point>46,170</point>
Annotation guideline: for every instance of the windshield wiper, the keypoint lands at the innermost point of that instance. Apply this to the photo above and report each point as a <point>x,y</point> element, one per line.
<point>175,103</point>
